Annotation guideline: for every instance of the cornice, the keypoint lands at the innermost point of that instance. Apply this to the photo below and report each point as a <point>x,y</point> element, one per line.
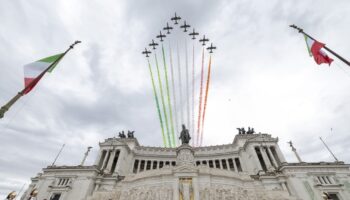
<point>65,168</point>
<point>313,165</point>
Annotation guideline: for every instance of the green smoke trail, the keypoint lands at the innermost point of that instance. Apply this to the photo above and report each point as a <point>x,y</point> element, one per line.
<point>157,102</point>
<point>163,101</point>
<point>169,102</point>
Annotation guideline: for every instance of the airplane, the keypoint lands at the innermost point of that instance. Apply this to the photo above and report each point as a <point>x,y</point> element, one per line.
<point>185,26</point>
<point>211,48</point>
<point>153,44</point>
<point>204,40</point>
<point>176,18</point>
<point>193,34</point>
<point>146,52</point>
<point>167,28</point>
<point>161,36</point>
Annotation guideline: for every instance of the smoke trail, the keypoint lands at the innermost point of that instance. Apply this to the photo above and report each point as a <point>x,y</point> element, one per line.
<point>157,103</point>
<point>163,101</point>
<point>180,84</point>
<point>174,93</point>
<point>206,98</point>
<point>193,88</point>
<point>200,99</point>
<point>187,88</point>
<point>169,102</point>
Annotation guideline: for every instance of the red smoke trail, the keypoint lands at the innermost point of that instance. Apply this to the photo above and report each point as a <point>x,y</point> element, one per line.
<point>206,99</point>
<point>193,88</point>
<point>200,100</point>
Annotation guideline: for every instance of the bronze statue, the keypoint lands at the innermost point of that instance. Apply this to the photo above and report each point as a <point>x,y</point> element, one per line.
<point>122,134</point>
<point>131,134</point>
<point>184,135</point>
<point>250,130</point>
<point>242,131</point>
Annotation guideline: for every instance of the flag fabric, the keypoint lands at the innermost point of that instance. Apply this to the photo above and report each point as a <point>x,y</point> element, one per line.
<point>33,70</point>
<point>315,49</point>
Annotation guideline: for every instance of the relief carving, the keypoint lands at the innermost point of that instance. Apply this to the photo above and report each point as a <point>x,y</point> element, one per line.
<point>219,192</point>
<point>138,193</point>
<point>185,157</point>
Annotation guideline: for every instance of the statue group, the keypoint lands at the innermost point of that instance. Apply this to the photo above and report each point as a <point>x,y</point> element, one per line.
<point>130,134</point>
<point>242,131</point>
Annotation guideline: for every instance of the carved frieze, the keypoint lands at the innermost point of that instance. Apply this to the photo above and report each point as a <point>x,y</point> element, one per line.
<point>136,193</point>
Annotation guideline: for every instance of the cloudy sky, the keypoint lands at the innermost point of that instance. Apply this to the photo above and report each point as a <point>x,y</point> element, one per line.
<point>262,76</point>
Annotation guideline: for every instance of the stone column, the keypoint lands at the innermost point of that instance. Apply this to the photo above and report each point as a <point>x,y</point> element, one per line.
<point>120,169</point>
<point>138,166</point>
<point>234,164</point>
<point>151,165</point>
<point>176,189</point>
<point>265,158</point>
<point>117,153</point>
<point>186,190</point>
<point>272,157</point>
<point>110,161</point>
<point>227,164</point>
<point>255,157</point>
<point>105,159</point>
<point>195,186</point>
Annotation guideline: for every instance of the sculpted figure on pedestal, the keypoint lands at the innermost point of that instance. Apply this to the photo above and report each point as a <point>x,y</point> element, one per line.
<point>184,135</point>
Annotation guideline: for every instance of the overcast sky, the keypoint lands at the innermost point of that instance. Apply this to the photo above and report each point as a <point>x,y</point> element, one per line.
<point>262,76</point>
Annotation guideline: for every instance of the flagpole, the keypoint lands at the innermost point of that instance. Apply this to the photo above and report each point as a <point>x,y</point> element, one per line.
<point>335,158</point>
<point>7,106</point>
<point>59,153</point>
<point>20,191</point>
<point>325,47</point>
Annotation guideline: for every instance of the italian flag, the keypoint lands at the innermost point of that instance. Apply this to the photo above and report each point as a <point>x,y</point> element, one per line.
<point>315,49</point>
<point>33,72</point>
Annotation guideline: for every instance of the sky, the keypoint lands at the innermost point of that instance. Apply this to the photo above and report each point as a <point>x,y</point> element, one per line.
<point>262,77</point>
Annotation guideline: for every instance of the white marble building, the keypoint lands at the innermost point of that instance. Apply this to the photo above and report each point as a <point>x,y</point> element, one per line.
<point>251,167</point>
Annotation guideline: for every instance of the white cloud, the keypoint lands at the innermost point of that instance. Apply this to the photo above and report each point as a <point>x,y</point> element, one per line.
<point>262,76</point>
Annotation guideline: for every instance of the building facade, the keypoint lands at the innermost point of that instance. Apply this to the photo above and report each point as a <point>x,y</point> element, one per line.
<point>252,167</point>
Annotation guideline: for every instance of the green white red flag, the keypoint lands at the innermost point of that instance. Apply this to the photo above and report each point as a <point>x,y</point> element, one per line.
<point>33,71</point>
<point>315,49</point>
